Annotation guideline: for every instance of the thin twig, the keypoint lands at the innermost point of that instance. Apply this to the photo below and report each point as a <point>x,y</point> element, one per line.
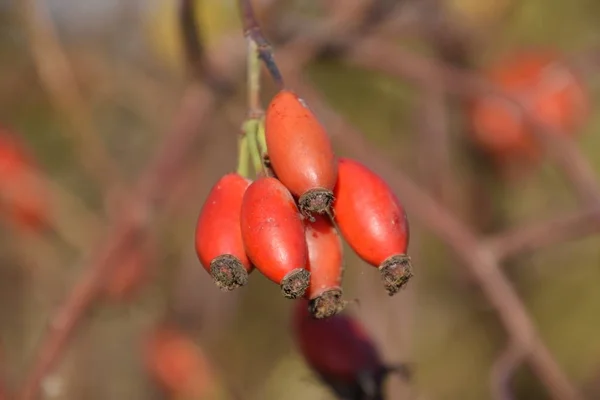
<point>252,30</point>
<point>196,107</point>
<point>534,236</point>
<point>57,77</point>
<point>503,370</point>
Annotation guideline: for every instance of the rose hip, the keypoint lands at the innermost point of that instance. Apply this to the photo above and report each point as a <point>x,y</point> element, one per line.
<point>342,353</point>
<point>176,363</point>
<point>218,241</point>
<point>300,152</point>
<point>325,263</point>
<point>22,195</point>
<point>373,222</point>
<point>273,235</point>
<point>543,83</point>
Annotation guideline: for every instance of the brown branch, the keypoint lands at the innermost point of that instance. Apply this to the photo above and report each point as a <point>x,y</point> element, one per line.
<point>482,264</point>
<point>253,32</point>
<point>196,107</point>
<point>503,370</point>
<point>385,57</point>
<point>537,235</point>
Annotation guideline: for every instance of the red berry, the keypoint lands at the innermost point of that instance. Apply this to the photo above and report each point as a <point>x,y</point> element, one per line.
<point>176,363</point>
<point>300,152</point>
<point>219,243</point>
<point>325,263</point>
<point>341,352</point>
<point>543,83</point>
<point>273,235</point>
<point>373,222</point>
<point>23,198</point>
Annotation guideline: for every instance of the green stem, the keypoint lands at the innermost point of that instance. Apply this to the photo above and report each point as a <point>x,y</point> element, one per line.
<point>262,141</point>
<point>250,130</point>
<point>253,70</point>
<point>243,157</point>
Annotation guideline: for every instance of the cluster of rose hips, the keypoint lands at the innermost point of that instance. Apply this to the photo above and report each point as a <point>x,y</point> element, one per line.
<point>543,83</point>
<point>285,223</point>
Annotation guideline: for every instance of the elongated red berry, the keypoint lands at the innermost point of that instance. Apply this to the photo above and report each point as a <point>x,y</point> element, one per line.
<point>219,243</point>
<point>373,222</point>
<point>300,152</point>
<point>342,353</point>
<point>174,361</point>
<point>325,263</point>
<point>273,235</point>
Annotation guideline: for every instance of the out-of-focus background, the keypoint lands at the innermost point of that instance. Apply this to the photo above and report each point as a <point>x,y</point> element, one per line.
<point>92,88</point>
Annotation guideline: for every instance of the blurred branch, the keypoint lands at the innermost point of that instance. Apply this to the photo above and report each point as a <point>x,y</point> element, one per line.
<point>434,144</point>
<point>196,107</point>
<point>373,53</point>
<point>534,236</point>
<point>391,59</point>
<point>253,32</point>
<point>503,370</point>
<point>482,264</point>
<point>59,81</point>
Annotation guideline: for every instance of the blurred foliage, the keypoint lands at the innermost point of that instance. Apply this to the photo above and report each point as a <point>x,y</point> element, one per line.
<point>455,335</point>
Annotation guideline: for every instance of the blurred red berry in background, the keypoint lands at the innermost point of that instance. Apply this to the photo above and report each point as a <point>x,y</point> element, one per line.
<point>23,197</point>
<point>543,83</point>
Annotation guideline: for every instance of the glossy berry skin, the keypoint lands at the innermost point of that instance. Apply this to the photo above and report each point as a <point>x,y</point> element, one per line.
<point>23,197</point>
<point>218,240</point>
<point>341,352</point>
<point>543,83</point>
<point>373,222</point>
<point>325,263</point>
<point>273,235</point>
<point>300,152</point>
<point>176,363</point>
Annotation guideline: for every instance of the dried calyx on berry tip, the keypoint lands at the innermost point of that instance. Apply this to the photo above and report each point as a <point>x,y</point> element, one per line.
<point>396,271</point>
<point>327,304</point>
<point>294,284</point>
<point>228,272</point>
<point>317,201</point>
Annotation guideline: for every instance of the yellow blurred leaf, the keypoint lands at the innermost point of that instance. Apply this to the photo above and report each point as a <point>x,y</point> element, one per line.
<point>480,13</point>
<point>215,18</point>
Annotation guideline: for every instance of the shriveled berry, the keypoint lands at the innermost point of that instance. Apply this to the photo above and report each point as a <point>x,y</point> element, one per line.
<point>300,152</point>
<point>273,235</point>
<point>342,353</point>
<point>325,263</point>
<point>219,243</point>
<point>373,222</point>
